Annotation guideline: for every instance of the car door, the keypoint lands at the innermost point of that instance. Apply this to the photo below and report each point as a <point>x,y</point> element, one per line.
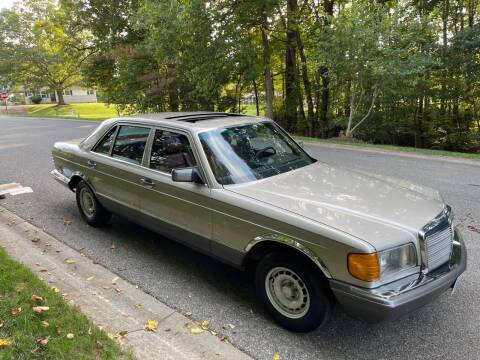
<point>180,210</point>
<point>115,165</point>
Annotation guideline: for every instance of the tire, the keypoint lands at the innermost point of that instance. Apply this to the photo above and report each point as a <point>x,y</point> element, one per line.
<point>294,293</point>
<point>90,208</point>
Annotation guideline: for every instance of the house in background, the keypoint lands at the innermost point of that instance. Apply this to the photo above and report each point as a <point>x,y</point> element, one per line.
<point>74,94</point>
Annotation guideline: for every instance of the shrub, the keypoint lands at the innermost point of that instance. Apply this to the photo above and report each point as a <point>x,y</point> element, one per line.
<point>36,99</point>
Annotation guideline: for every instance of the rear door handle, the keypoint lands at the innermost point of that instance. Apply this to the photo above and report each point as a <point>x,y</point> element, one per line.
<point>91,164</point>
<point>147,182</point>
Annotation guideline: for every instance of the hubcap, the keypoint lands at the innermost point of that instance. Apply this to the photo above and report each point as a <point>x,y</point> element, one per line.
<point>87,202</point>
<point>287,292</point>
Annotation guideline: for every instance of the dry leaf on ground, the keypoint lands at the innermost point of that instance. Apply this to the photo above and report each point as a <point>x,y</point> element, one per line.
<point>151,325</point>
<point>70,261</point>
<point>45,324</point>
<point>56,290</point>
<point>196,331</point>
<point>276,356</point>
<point>15,311</point>
<point>36,298</point>
<point>114,281</point>
<point>138,306</point>
<point>188,313</point>
<point>205,324</point>
<point>42,341</point>
<point>67,222</point>
<point>40,309</point>
<point>70,336</point>
<point>4,343</point>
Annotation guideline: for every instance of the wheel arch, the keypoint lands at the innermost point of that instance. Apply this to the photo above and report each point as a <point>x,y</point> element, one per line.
<point>75,179</point>
<point>262,245</point>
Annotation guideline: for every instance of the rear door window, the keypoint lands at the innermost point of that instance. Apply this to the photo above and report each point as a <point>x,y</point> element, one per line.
<point>130,143</point>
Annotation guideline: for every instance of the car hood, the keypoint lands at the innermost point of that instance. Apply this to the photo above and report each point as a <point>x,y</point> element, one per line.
<point>374,208</point>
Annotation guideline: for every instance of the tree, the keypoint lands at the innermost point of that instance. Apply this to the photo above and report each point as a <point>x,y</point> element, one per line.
<point>43,47</point>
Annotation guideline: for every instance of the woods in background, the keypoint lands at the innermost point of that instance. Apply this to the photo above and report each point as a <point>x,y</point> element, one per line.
<point>403,72</point>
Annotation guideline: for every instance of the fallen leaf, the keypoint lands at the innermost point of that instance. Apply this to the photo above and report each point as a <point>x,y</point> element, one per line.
<point>196,331</point>
<point>113,247</point>
<point>231,326</point>
<point>90,278</point>
<point>70,336</point>
<point>188,313</point>
<point>114,281</point>
<point>151,325</point>
<point>55,290</point>
<point>45,324</point>
<point>276,356</point>
<point>36,298</point>
<point>119,340</point>
<point>138,306</point>
<point>43,270</point>
<point>40,309</point>
<point>15,311</point>
<point>4,343</point>
<point>42,341</point>
<point>70,261</point>
<point>214,333</point>
<point>67,222</point>
<point>205,324</point>
<point>36,239</point>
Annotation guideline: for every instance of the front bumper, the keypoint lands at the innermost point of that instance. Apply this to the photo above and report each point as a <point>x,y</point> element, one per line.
<point>402,296</point>
<point>62,179</point>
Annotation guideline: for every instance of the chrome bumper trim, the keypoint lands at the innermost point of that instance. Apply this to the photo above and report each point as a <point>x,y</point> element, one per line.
<point>62,179</point>
<point>403,296</point>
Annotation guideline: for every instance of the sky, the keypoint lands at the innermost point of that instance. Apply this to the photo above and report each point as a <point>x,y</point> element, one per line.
<point>6,3</point>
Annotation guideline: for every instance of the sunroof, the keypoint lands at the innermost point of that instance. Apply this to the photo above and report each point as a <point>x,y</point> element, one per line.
<point>202,116</point>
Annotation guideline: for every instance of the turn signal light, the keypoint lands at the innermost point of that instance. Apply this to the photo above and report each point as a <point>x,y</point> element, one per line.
<point>365,267</point>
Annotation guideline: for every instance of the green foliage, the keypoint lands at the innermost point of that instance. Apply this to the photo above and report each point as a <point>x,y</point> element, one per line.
<point>399,72</point>
<point>36,99</point>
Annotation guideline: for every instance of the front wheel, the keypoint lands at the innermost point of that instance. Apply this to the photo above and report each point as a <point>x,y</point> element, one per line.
<point>91,210</point>
<point>294,294</point>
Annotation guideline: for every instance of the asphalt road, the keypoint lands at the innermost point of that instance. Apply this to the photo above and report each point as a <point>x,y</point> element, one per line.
<point>188,281</point>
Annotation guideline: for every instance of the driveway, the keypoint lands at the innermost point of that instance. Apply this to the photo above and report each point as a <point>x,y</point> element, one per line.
<point>188,281</point>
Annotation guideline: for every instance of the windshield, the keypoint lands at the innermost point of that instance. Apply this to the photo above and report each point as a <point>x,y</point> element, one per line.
<point>250,152</point>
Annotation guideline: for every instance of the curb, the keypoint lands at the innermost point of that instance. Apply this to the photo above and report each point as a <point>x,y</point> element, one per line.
<point>107,300</point>
<point>393,153</point>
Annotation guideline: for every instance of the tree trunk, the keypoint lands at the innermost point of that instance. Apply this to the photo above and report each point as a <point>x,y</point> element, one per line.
<point>291,88</point>
<point>268,75</point>
<point>60,99</point>
<point>256,96</point>
<point>307,85</point>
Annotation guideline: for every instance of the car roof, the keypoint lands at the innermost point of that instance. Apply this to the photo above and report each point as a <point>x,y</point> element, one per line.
<point>196,121</point>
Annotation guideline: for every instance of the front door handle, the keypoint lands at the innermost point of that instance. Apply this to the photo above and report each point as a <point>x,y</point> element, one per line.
<point>91,164</point>
<point>147,182</point>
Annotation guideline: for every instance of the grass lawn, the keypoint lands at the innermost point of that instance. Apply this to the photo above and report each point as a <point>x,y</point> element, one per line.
<point>394,148</point>
<point>26,330</point>
<point>93,111</point>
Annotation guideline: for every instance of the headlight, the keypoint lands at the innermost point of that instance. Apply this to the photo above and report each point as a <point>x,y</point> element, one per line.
<point>397,259</point>
<point>382,265</point>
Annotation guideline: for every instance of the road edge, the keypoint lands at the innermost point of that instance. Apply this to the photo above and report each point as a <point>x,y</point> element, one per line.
<point>392,152</point>
<point>110,302</point>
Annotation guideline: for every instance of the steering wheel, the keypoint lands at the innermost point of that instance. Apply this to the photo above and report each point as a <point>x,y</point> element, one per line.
<point>268,151</point>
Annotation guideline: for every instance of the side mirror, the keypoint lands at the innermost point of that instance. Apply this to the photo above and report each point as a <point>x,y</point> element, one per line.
<point>301,144</point>
<point>190,174</point>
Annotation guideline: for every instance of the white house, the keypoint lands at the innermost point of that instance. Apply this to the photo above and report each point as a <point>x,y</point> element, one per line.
<point>74,94</point>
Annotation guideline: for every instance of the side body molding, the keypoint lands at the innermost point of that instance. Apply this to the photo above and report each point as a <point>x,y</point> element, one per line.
<point>285,240</point>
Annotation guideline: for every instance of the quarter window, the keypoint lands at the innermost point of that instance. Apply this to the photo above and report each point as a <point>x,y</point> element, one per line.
<point>130,143</point>
<point>105,144</point>
<point>171,151</point>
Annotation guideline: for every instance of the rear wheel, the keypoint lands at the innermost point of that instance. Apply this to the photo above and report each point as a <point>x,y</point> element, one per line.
<point>295,294</point>
<point>91,210</point>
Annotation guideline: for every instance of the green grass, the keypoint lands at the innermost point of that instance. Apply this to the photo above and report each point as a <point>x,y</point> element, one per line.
<point>91,111</point>
<point>393,148</point>
<point>17,285</point>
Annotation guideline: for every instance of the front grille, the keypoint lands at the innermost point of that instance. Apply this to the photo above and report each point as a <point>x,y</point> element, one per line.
<point>438,245</point>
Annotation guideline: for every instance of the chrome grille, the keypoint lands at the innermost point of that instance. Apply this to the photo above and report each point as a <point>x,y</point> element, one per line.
<point>438,244</point>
